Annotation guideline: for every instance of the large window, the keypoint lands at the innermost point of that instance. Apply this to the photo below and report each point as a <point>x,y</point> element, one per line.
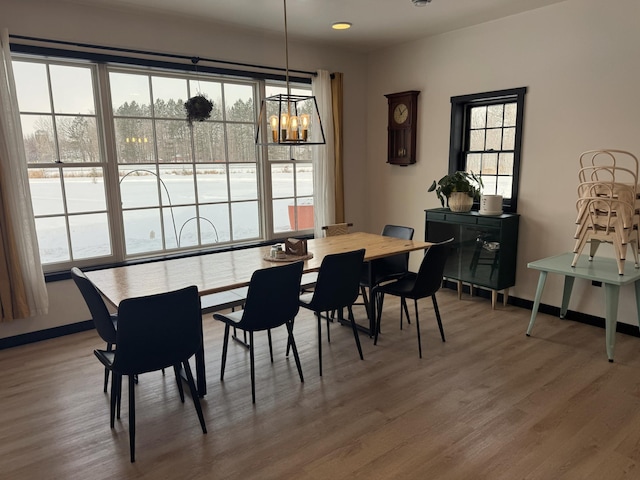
<point>117,173</point>
<point>486,138</point>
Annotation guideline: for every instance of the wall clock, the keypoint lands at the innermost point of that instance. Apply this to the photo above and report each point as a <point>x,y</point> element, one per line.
<point>403,115</point>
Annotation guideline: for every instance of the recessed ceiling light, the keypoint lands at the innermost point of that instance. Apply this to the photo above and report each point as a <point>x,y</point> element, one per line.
<point>341,25</point>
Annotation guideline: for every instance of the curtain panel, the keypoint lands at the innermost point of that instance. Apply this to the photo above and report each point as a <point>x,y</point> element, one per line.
<point>323,157</point>
<point>23,292</point>
<point>327,159</point>
<point>336,104</point>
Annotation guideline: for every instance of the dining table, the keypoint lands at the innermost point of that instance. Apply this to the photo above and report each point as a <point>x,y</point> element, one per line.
<point>227,270</point>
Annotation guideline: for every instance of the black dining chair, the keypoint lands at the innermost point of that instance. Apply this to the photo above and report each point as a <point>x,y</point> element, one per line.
<point>387,268</point>
<point>272,301</point>
<point>336,288</point>
<point>425,283</point>
<point>105,323</point>
<point>154,332</point>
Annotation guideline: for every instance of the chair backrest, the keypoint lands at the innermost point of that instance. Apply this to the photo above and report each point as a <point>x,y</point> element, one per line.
<point>616,165</point>
<point>429,276</point>
<point>157,331</point>
<point>272,299</point>
<point>395,264</point>
<point>336,229</point>
<point>99,312</point>
<point>338,281</point>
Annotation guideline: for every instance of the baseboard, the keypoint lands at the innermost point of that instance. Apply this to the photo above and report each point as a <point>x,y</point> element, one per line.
<point>47,334</point>
<point>593,320</point>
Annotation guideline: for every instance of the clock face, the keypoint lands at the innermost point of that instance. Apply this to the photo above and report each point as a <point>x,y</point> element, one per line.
<point>400,113</point>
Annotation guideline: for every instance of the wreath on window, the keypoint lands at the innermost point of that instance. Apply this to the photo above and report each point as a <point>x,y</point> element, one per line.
<point>198,109</point>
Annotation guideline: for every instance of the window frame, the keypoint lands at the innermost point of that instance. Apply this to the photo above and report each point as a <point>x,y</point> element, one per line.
<point>460,131</point>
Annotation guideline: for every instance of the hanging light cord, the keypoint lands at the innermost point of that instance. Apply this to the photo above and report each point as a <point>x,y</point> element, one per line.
<point>286,48</point>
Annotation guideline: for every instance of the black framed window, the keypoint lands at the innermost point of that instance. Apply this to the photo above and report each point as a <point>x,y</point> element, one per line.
<point>486,138</point>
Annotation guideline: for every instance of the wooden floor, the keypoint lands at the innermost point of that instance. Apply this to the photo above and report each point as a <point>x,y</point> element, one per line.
<point>489,403</point>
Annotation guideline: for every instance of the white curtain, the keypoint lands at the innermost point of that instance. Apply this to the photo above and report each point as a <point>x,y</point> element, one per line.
<point>16,184</point>
<point>323,157</point>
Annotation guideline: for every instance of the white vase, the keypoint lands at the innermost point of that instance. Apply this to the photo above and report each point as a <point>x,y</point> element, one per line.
<point>460,202</point>
<point>490,204</point>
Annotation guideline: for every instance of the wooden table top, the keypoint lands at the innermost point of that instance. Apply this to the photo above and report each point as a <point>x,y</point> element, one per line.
<point>222,271</point>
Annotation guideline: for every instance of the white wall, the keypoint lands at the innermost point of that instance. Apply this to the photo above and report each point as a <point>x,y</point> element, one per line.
<point>580,60</point>
<point>53,19</point>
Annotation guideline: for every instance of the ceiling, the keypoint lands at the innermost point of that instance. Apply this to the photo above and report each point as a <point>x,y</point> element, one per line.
<point>376,23</point>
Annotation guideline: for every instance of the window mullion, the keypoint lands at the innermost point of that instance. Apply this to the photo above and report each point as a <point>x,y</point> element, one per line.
<point>110,166</point>
<point>264,165</point>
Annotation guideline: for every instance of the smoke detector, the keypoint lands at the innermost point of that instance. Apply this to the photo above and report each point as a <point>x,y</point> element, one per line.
<point>420,3</point>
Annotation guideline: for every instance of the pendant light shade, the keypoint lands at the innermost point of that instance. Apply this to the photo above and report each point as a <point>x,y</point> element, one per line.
<point>288,119</point>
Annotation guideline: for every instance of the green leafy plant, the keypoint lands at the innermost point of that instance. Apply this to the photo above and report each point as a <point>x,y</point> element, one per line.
<point>465,182</point>
<point>198,109</point>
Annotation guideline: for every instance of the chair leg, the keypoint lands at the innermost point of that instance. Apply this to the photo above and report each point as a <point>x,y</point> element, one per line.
<point>406,311</point>
<point>194,394</point>
<point>438,319</point>
<point>375,338</point>
<point>415,301</point>
<point>253,368</point>
<point>132,419</point>
<point>319,317</point>
<point>270,345</point>
<point>225,345</point>
<point>355,331</point>
<point>292,342</point>
<point>328,331</point>
<point>288,342</point>
<point>119,395</point>
<point>114,396</point>
<point>176,371</point>
<point>106,370</point>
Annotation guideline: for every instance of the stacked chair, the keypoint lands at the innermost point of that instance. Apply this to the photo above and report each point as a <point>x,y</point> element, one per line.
<point>607,204</point>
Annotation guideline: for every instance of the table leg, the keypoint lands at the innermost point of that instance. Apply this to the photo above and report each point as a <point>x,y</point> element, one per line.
<point>369,305</point>
<point>372,302</point>
<point>536,303</point>
<point>566,294</point>
<point>612,293</point>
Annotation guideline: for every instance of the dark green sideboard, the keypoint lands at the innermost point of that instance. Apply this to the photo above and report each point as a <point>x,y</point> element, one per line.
<point>484,249</point>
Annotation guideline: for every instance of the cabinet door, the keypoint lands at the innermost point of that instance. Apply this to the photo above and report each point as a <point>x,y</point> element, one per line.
<point>437,232</point>
<point>480,256</point>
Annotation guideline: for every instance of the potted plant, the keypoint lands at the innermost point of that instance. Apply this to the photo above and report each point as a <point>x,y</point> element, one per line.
<point>460,189</point>
<point>198,109</point>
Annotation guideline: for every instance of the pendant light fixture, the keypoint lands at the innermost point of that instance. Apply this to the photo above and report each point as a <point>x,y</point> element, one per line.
<point>289,119</point>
